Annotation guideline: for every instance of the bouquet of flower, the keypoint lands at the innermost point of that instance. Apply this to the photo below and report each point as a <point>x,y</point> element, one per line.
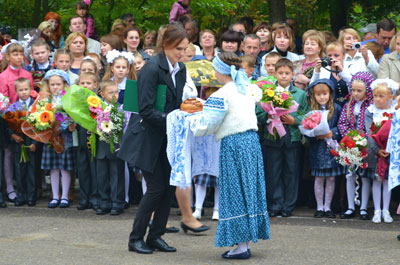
<point>110,121</point>
<point>379,121</point>
<point>14,116</point>
<point>315,123</point>
<point>255,92</point>
<point>4,101</point>
<point>276,102</point>
<point>38,76</point>
<point>41,124</point>
<point>352,151</point>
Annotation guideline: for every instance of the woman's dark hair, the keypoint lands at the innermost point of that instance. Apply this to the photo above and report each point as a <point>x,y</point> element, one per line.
<point>173,36</point>
<point>132,28</point>
<point>230,36</point>
<point>262,25</point>
<point>82,5</point>
<point>230,58</point>
<point>113,40</point>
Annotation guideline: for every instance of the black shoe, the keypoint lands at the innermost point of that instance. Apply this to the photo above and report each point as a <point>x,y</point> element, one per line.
<point>398,237</point>
<point>53,204</point>
<point>64,203</point>
<point>348,216</point>
<point>8,197</point>
<point>3,205</point>
<point>160,245</point>
<point>274,214</point>
<point>319,214</point>
<point>243,255</point>
<point>19,203</point>
<point>126,205</point>
<point>171,229</point>
<point>330,214</point>
<point>140,247</point>
<point>95,207</point>
<point>365,215</point>
<point>195,230</point>
<point>286,214</point>
<point>83,206</point>
<point>101,211</point>
<point>31,203</point>
<point>116,211</point>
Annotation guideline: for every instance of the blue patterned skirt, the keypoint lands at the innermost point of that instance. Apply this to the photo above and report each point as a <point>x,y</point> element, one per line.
<point>242,197</point>
<point>52,160</point>
<point>206,180</point>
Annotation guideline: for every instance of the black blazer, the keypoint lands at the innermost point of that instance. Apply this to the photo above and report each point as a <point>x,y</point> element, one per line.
<point>146,133</point>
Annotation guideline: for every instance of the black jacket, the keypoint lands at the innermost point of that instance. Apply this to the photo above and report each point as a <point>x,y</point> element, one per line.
<point>146,133</point>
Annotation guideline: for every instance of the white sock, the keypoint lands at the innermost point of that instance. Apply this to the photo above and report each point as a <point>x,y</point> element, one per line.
<point>55,183</point>
<point>126,183</point>
<point>366,189</point>
<point>65,183</point>
<point>319,192</point>
<point>242,247</point>
<point>216,198</point>
<point>200,196</point>
<point>144,186</point>
<point>376,194</point>
<point>329,190</point>
<point>386,193</point>
<point>351,189</point>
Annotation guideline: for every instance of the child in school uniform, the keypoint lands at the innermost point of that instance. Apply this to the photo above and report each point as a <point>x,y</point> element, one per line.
<point>55,82</point>
<point>281,155</point>
<point>24,172</point>
<point>323,165</point>
<point>352,117</point>
<point>14,54</point>
<point>3,143</point>
<point>41,61</point>
<point>383,92</point>
<point>110,169</point>
<point>85,165</point>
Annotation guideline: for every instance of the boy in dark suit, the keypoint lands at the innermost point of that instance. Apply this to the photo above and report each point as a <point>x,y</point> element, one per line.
<point>3,141</point>
<point>282,155</point>
<point>110,169</point>
<point>24,171</point>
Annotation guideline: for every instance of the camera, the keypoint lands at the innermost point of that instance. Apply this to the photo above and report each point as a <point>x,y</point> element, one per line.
<point>326,61</point>
<point>356,46</point>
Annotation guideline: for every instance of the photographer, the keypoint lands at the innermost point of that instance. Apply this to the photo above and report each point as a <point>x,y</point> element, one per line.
<point>331,67</point>
<point>358,58</point>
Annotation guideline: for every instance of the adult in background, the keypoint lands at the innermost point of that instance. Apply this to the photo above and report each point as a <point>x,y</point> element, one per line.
<point>145,142</point>
<point>77,24</point>
<point>230,41</point>
<point>192,28</point>
<point>55,20</point>
<point>385,30</point>
<point>129,19</point>
<point>390,64</point>
<point>132,36</point>
<point>251,46</point>
<point>208,43</point>
<point>263,30</point>
<point>76,44</point>
<point>297,39</point>
<point>369,32</point>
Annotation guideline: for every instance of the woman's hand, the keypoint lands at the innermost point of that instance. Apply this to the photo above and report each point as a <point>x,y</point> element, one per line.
<point>364,53</point>
<point>382,153</point>
<point>325,136</point>
<point>318,65</point>
<point>338,64</point>
<point>72,127</point>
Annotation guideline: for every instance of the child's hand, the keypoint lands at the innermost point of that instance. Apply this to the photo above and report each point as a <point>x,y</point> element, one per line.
<point>72,127</point>
<point>287,119</point>
<point>383,153</point>
<point>32,148</point>
<point>36,82</point>
<point>17,138</point>
<point>325,136</point>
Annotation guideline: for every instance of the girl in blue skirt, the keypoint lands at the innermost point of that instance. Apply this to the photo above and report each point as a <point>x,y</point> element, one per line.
<point>229,114</point>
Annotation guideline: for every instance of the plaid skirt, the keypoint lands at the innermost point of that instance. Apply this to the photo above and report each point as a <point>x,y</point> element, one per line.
<point>52,160</point>
<point>206,180</point>
<point>371,174</point>
<point>328,172</point>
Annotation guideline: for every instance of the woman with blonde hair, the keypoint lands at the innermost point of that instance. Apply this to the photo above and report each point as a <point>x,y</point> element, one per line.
<point>76,43</point>
<point>358,58</point>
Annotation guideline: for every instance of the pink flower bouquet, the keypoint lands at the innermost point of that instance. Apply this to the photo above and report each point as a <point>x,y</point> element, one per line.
<point>315,123</point>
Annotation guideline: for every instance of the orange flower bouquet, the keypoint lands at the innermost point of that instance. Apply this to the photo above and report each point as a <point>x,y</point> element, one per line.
<point>15,115</point>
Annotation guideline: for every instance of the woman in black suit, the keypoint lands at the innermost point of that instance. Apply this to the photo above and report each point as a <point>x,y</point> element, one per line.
<point>145,141</point>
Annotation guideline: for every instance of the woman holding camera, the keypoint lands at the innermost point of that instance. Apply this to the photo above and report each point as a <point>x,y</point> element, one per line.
<point>358,58</point>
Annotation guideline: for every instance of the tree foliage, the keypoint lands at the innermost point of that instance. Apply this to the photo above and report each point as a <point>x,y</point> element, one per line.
<point>212,14</point>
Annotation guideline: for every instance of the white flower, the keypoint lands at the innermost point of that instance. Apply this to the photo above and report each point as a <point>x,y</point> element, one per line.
<point>107,109</point>
<point>106,126</point>
<point>255,92</point>
<point>280,89</point>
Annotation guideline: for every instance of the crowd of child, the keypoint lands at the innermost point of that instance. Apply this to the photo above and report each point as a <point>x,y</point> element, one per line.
<point>348,83</point>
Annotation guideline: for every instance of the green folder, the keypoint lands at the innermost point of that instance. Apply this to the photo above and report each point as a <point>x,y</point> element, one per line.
<point>131,102</point>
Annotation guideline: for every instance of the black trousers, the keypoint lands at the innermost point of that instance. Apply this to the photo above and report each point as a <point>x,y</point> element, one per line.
<point>86,170</point>
<point>1,176</point>
<point>24,174</point>
<point>157,199</point>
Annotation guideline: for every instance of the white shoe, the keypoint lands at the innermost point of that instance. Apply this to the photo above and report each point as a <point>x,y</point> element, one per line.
<point>197,214</point>
<point>215,215</point>
<point>386,216</point>
<point>377,217</point>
